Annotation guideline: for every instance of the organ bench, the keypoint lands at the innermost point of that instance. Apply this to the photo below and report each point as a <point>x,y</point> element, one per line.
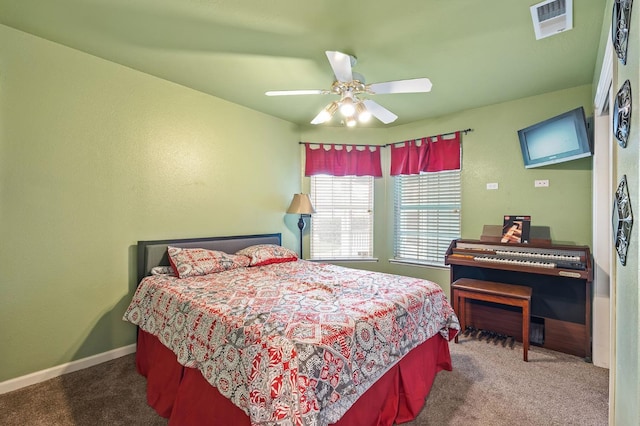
<point>505,294</point>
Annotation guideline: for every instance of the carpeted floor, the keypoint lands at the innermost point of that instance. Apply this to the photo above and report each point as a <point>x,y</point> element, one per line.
<point>490,385</point>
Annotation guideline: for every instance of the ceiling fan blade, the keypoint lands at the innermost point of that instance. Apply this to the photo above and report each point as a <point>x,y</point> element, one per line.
<point>379,112</point>
<point>341,65</point>
<point>320,118</point>
<point>416,85</point>
<point>295,92</point>
<point>326,113</point>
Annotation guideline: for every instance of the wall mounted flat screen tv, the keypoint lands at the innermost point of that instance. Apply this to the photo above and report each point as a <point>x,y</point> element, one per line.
<point>556,140</point>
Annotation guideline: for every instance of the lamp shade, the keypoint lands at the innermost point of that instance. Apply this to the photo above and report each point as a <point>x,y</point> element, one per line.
<point>301,204</point>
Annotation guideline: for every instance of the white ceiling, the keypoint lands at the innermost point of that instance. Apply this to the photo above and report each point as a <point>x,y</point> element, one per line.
<point>474,52</point>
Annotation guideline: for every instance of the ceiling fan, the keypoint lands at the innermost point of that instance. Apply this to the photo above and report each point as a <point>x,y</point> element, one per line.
<point>351,88</point>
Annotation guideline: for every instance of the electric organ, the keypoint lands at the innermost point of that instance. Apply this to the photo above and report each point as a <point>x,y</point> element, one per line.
<point>560,277</point>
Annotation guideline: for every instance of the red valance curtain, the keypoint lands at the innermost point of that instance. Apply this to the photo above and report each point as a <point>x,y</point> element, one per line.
<point>343,160</point>
<point>432,154</point>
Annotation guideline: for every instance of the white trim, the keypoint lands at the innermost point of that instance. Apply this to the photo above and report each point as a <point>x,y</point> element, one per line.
<point>602,242</point>
<point>604,185</point>
<point>418,264</point>
<point>606,77</point>
<point>70,367</point>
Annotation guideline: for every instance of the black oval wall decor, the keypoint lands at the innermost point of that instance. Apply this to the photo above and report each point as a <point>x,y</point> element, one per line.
<point>622,114</point>
<point>620,27</point>
<point>622,220</point>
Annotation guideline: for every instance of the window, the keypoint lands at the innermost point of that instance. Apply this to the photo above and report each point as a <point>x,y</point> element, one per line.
<point>427,216</point>
<point>342,227</point>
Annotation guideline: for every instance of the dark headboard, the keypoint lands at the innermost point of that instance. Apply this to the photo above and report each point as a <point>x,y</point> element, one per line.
<point>154,253</point>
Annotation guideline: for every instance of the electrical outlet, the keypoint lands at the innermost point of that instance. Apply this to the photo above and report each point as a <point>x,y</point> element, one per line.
<point>541,183</point>
<point>493,185</point>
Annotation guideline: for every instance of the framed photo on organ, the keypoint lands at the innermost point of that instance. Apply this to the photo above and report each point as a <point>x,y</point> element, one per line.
<point>516,229</point>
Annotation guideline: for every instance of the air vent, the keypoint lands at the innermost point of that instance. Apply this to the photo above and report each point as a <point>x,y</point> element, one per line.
<point>552,17</point>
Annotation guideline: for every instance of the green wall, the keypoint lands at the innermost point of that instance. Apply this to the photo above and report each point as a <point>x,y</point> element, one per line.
<point>490,153</point>
<point>94,157</point>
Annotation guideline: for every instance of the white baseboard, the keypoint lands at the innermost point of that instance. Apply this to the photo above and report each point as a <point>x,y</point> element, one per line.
<point>70,367</point>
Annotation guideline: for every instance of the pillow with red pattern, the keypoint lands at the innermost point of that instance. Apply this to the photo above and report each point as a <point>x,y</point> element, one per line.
<point>191,262</point>
<point>266,254</point>
<point>163,270</point>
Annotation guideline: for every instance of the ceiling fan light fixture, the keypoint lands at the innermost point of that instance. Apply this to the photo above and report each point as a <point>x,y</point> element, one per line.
<point>351,122</point>
<point>347,106</point>
<point>364,115</point>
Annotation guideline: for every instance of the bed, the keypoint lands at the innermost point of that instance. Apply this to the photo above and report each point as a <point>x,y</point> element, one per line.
<point>275,340</point>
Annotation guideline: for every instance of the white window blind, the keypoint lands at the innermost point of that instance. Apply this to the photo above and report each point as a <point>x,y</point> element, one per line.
<point>426,216</point>
<point>342,227</point>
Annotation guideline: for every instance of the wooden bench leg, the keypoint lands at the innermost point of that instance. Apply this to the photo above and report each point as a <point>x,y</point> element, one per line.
<point>462,318</point>
<point>525,331</point>
<point>456,309</point>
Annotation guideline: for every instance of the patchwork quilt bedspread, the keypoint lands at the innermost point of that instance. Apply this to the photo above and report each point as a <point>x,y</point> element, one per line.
<point>291,343</point>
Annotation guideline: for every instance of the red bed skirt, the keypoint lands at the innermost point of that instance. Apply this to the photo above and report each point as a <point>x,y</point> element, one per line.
<point>183,396</point>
